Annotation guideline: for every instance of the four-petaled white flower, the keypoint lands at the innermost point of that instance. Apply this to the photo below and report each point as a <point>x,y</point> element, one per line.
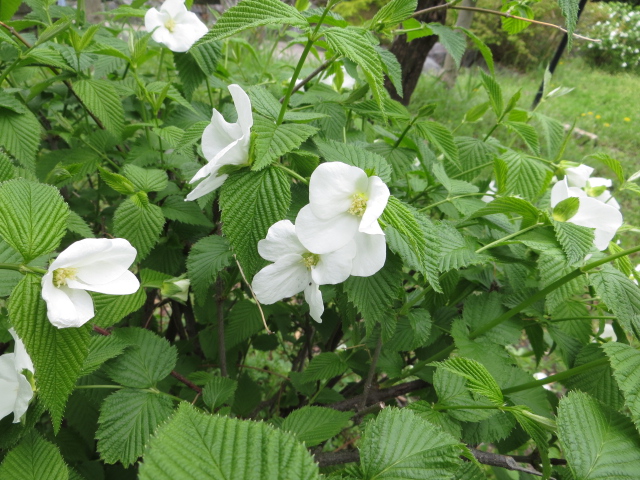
<point>224,143</point>
<point>296,269</point>
<point>95,264</point>
<point>174,26</point>
<point>596,187</point>
<point>344,204</point>
<point>592,213</point>
<point>15,389</point>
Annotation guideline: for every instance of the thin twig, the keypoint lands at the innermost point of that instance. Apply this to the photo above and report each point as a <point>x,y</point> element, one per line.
<point>371,375</point>
<point>311,76</point>
<point>376,396</point>
<point>222,349</point>
<point>264,320</point>
<point>451,5</point>
<point>447,5</point>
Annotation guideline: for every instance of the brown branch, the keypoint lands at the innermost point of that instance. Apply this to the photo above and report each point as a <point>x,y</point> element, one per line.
<point>376,396</point>
<point>222,349</point>
<point>174,374</point>
<point>311,76</point>
<point>452,5</point>
<point>371,375</point>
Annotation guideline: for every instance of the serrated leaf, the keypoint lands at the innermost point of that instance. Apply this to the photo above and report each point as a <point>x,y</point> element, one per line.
<point>139,223</point>
<point>57,354</point>
<point>527,133</point>
<point>146,179</point>
<point>119,183</point>
<point>34,459</point>
<point>456,251</point>
<point>20,136</point>
<point>513,206</point>
<point>452,391</point>
<point>441,137</point>
<point>552,265</point>
<point>473,154</point>
<point>576,241</point>
<point>196,445</point>
<point>251,202</point>
<point>350,154</point>
<point>393,13</point>
<point>453,41</point>
<point>175,208</point>
<point>614,165</point>
<point>127,420</point>
<point>218,390</point>
<point>33,217</point>
<point>598,442</point>
<point>206,259</point>
<point>314,425</point>
<point>110,309</point>
<point>76,224</point>
<point>625,363</point>
<point>148,360</point>
<point>485,51</point>
<point>520,175</point>
<point>102,99</point>
<point>273,141</point>
<point>569,9</point>
<point>478,378</point>
<point>620,295</point>
<point>264,102</point>
<point>392,68</point>
<point>494,91</point>
<point>101,349</point>
<point>399,444</point>
<point>324,366</point>
<point>250,14</point>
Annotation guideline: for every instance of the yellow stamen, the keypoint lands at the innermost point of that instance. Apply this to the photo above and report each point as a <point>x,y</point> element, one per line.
<point>61,275</point>
<point>358,205</point>
<point>170,25</point>
<point>310,259</point>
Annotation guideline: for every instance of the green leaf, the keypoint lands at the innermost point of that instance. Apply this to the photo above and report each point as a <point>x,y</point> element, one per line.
<point>478,378</point>
<point>625,362</point>
<point>598,442</point>
<point>146,179</point>
<point>614,165</point>
<point>101,349</point>
<point>515,25</point>
<point>102,99</point>
<point>264,102</point>
<point>76,224</point>
<point>527,133</point>
<point>456,251</point>
<point>399,444</point>
<point>392,68</point>
<point>314,425</point>
<point>206,259</point>
<point>415,231</point>
<point>57,354</point>
<point>485,51</point>
<point>411,332</point>
<point>20,136</point>
<point>196,445</point>
<point>441,137</point>
<point>356,46</point>
<point>351,154</point>
<point>175,208</point>
<point>511,205</point>
<point>530,423</point>
<point>569,9</point>
<point>251,202</point>
<point>452,391</point>
<point>8,278</point>
<point>494,91</point>
<point>148,360</point>
<point>620,295</point>
<point>218,390</point>
<point>552,131</point>
<point>33,217</point>
<point>250,14</point>
<point>110,309</point>
<point>34,459</point>
<point>139,222</point>
<point>127,420</point>
<point>8,8</point>
<point>119,183</point>
<point>393,13</point>
<point>452,40</point>
<point>576,241</point>
<point>324,366</point>
<point>7,170</point>
<point>272,141</point>
<point>374,296</point>
<point>473,154</point>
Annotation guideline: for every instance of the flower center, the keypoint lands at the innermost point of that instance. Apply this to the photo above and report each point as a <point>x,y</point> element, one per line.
<point>170,25</point>
<point>358,204</point>
<point>310,259</point>
<point>595,191</point>
<point>61,275</point>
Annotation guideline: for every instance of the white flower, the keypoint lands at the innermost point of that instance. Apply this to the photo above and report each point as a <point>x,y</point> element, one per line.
<point>493,189</point>
<point>15,388</point>
<point>592,213</point>
<point>348,82</point>
<point>296,269</point>
<point>596,187</point>
<point>174,26</point>
<point>224,143</point>
<point>343,202</point>
<point>95,264</point>
<point>540,376</point>
<point>608,332</point>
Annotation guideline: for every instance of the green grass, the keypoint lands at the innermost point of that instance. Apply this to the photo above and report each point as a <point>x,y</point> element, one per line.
<point>601,103</point>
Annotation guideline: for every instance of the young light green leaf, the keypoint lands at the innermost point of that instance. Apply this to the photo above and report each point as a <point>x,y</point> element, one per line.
<point>314,425</point>
<point>495,93</point>
<point>478,378</point>
<point>614,165</point>
<point>175,208</point>
<point>119,183</point>
<point>140,222</point>
<point>485,51</point>
<point>34,459</point>
<point>452,40</point>
<point>102,99</point>
<point>146,179</point>
<point>273,141</point>
<point>393,13</point>
<point>441,137</point>
<point>527,133</point>
<point>351,154</point>
<point>218,390</point>
<point>206,258</point>
<point>513,206</point>
<point>569,9</point>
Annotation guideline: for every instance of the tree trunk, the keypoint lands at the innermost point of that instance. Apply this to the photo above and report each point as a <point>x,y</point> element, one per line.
<point>464,20</point>
<point>412,55</point>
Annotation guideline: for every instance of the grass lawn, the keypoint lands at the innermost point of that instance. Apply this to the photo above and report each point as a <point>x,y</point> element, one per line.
<point>601,103</point>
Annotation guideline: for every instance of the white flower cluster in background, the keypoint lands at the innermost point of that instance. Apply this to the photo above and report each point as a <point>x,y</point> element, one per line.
<point>174,26</point>
<point>15,389</point>
<point>336,235</point>
<point>597,208</point>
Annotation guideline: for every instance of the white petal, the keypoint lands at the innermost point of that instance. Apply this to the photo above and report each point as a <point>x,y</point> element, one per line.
<point>22,358</point>
<point>578,176</point>
<point>313,296</point>
<point>371,253</point>
<point>90,250</point>
<point>561,191</point>
<point>282,279</point>
<point>153,18</point>
<point>334,267</point>
<point>9,385</point>
<point>281,240</point>
<point>66,307</point>
<point>332,186</point>
<point>324,236</point>
<point>218,135</point>
<point>207,185</point>
<point>25,394</point>
<point>173,7</point>
<point>600,182</point>
<point>378,196</point>
<point>243,107</point>
<point>126,284</point>
<point>604,218</point>
<point>211,168</point>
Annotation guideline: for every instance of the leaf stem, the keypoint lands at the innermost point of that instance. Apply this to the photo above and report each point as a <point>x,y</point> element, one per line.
<point>292,173</point>
<point>449,199</point>
<point>508,237</point>
<point>403,134</point>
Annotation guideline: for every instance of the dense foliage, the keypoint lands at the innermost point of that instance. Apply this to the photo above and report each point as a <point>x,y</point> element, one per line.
<point>147,244</point>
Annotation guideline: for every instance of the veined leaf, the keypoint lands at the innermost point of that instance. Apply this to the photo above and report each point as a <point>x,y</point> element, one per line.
<point>393,13</point>
<point>146,179</point>
<point>625,363</point>
<point>614,165</point>
<point>196,445</point>
<point>370,162</point>
<point>520,175</point>
<point>273,141</point>
<point>576,241</point>
<point>101,349</point>
<point>569,9</point>
<point>101,98</point>
<point>527,133</point>
<point>20,136</point>
<point>441,137</point>
<point>175,208</point>
<point>453,41</point>
<point>110,309</point>
<point>620,295</point>
<point>479,380</point>
<point>513,206</point>
<point>218,390</point>
<point>206,258</point>
<point>139,222</point>
<point>34,459</point>
<point>324,366</point>
<point>313,425</point>
<point>495,93</point>
<point>485,51</point>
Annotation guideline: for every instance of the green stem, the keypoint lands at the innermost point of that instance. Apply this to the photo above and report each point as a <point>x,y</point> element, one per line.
<point>206,81</point>
<point>159,74</point>
<point>7,70</point>
<point>490,132</point>
<point>90,387</point>
<point>558,377</point>
<point>292,173</point>
<point>587,317</point>
<point>453,198</point>
<point>479,167</point>
<point>22,268</point>
<point>403,134</point>
<point>11,266</point>
<point>464,407</point>
<point>303,57</point>
<point>508,237</point>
